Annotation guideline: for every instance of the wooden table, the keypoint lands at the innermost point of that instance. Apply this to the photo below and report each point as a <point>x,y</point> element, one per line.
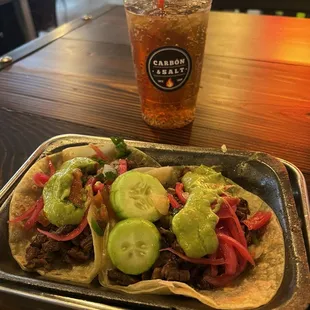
<point>254,90</point>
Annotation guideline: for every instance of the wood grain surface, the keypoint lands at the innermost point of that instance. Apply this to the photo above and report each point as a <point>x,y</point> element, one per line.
<point>242,103</point>
<point>268,38</point>
<point>42,41</point>
<point>245,102</point>
<point>22,133</point>
<point>296,5</point>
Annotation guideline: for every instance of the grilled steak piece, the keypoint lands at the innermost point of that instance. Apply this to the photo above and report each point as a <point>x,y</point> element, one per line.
<point>51,246</point>
<point>86,231</point>
<point>177,247</point>
<point>247,234</point>
<point>165,221</point>
<point>171,272</point>
<point>31,253</point>
<point>163,258</point>
<point>242,210</point>
<point>121,278</point>
<point>63,230</point>
<point>168,235</point>
<point>67,259</point>
<point>147,275</point>
<point>38,263</point>
<point>77,240</point>
<point>184,275</point>
<point>87,244</point>
<point>204,284</point>
<point>78,255</point>
<point>45,252</point>
<point>196,274</point>
<point>156,273</point>
<point>38,240</point>
<point>251,235</point>
<point>131,165</point>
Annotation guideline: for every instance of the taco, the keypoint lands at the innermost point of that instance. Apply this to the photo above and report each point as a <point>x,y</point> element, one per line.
<point>191,231</point>
<point>58,213</point>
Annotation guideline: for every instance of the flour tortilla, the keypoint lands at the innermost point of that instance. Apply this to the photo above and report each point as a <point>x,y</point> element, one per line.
<point>27,193</point>
<point>254,288</point>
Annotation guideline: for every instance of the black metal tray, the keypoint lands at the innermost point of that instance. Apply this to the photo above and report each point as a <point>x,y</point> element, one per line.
<point>259,173</point>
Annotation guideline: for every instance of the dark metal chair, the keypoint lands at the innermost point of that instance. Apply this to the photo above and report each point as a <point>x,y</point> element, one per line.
<point>12,33</point>
<point>289,7</point>
<point>22,20</point>
<point>43,14</point>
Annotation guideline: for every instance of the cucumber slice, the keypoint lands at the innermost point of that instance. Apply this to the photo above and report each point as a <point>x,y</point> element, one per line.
<point>139,195</point>
<point>133,245</point>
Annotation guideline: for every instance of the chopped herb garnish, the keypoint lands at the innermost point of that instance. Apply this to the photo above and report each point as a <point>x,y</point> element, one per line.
<point>117,140</point>
<point>110,176</point>
<point>84,179</point>
<point>107,176</point>
<point>97,229</point>
<point>100,161</point>
<point>100,177</point>
<point>121,147</point>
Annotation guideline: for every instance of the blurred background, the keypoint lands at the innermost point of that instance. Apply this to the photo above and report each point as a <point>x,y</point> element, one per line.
<point>24,20</point>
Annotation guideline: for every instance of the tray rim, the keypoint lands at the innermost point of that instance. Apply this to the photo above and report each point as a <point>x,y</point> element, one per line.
<point>44,145</point>
<point>58,300</point>
<point>42,150</point>
<point>305,201</point>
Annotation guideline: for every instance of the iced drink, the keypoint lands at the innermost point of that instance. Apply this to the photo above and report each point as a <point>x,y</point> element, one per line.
<point>168,50</point>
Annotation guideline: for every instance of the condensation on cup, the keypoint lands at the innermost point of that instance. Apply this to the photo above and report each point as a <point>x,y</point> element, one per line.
<point>167,41</point>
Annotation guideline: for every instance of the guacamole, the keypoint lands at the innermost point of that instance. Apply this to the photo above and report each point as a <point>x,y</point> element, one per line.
<point>194,225</point>
<point>202,177</point>
<point>57,208</point>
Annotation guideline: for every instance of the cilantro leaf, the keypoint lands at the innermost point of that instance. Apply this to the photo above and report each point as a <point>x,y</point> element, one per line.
<point>107,176</point>
<point>121,147</point>
<point>100,161</point>
<point>100,177</point>
<point>110,176</point>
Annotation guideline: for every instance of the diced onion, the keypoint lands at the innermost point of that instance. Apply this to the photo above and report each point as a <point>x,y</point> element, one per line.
<point>108,168</point>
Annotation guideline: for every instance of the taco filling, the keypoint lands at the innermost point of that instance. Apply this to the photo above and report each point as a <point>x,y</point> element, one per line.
<point>58,214</point>
<point>48,253</point>
<point>204,238</point>
<point>191,231</point>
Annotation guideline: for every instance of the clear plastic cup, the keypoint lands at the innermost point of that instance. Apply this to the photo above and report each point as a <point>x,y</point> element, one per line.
<point>168,42</point>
